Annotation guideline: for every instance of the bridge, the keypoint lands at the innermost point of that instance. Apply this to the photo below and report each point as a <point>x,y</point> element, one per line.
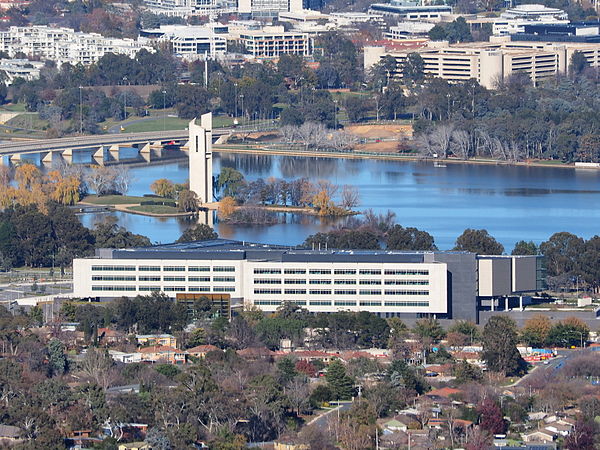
<point>104,146</point>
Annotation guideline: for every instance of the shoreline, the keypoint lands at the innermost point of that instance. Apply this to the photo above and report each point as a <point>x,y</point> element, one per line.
<point>392,157</point>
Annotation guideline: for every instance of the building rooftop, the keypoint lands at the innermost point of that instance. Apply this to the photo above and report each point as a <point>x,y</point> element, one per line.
<point>224,249</point>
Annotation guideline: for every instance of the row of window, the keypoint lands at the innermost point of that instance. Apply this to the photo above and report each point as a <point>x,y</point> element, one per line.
<point>341,291</point>
<point>342,303</point>
<point>347,282</point>
<point>275,271</point>
<point>166,288</point>
<point>165,268</point>
<point>158,278</point>
<point>269,271</point>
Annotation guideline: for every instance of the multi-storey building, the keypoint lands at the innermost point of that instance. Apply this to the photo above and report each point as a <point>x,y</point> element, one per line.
<point>64,45</point>
<point>388,283</point>
<point>490,63</point>
<point>188,8</point>
<point>267,8</point>
<point>272,42</point>
<point>410,10</point>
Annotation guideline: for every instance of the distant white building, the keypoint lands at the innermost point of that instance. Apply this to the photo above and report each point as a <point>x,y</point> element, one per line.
<point>193,42</point>
<point>64,45</point>
<point>534,12</point>
<point>188,8</point>
<point>406,30</point>
<point>20,68</point>
<point>272,42</point>
<point>410,10</point>
<point>267,8</point>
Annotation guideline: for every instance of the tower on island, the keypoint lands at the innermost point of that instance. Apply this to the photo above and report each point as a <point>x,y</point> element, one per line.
<point>200,158</point>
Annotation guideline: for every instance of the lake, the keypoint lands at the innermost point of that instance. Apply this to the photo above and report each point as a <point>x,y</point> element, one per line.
<point>511,202</point>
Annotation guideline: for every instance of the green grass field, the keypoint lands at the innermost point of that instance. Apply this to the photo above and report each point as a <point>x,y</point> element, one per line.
<point>154,209</point>
<point>113,199</point>
<point>13,107</point>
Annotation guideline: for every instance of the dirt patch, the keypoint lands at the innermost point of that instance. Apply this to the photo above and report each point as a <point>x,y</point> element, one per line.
<point>379,147</point>
<point>380,131</point>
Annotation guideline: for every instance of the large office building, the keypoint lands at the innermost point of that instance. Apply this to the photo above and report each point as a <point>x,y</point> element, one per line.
<point>491,62</point>
<point>388,283</point>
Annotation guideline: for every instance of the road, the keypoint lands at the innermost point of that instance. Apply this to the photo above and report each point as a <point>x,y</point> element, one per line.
<point>14,291</point>
<point>556,363</point>
<point>85,142</point>
<point>322,421</point>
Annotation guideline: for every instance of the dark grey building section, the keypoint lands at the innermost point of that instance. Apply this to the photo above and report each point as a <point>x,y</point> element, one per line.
<point>462,283</point>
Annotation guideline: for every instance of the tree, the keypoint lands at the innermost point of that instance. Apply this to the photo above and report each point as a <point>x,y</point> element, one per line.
<point>200,232</point>
<point>536,330</point>
<point>413,69</point>
<point>357,107</point>
<point>467,329</point>
<point>578,63</point>
<point>571,332</point>
<point>56,357</point>
<point>525,248</point>
<point>341,385</point>
<point>400,238</point>
<point>188,201</point>
<point>478,241</point>
<point>192,101</point>
<point>438,33</point>
<point>466,373</point>
<point>227,207</point>
<point>562,253</point>
<point>491,417</point>
<point>582,436</point>
<point>500,346</point>
<point>230,181</point>
<point>429,328</point>
<point>287,370</point>
<point>350,197</point>
<point>163,188</point>
<point>109,235</point>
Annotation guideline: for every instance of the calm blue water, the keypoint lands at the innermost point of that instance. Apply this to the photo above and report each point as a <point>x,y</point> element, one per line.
<point>512,203</point>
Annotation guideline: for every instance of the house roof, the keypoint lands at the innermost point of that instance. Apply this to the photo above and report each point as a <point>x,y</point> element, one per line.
<point>313,354</point>
<point>8,431</point>
<point>109,332</point>
<point>255,352</point>
<point>445,392</point>
<point>203,349</point>
<point>160,349</point>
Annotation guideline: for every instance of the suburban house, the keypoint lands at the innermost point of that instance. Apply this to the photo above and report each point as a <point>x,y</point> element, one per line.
<point>200,351</point>
<point>144,340</point>
<point>163,354</point>
<point>543,436</point>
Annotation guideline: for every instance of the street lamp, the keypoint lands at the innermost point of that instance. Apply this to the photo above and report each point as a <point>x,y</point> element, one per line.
<point>242,97</point>
<point>80,111</point>
<point>124,100</point>
<point>164,93</point>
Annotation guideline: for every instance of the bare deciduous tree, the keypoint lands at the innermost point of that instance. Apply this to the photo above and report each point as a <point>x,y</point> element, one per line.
<point>350,197</point>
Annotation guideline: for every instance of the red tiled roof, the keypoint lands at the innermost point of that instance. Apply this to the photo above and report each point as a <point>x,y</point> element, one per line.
<point>203,349</point>
<point>443,392</point>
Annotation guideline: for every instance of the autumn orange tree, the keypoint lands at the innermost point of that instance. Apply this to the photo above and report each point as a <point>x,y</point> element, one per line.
<point>227,207</point>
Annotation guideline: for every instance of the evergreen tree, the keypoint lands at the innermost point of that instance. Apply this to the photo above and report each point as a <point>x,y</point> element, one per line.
<point>56,357</point>
<point>500,346</point>
<point>342,386</point>
<point>287,370</point>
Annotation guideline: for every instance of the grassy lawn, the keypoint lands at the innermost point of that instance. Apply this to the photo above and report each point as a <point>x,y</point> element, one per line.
<point>169,123</point>
<point>154,209</point>
<point>30,121</point>
<point>112,199</point>
<point>13,107</point>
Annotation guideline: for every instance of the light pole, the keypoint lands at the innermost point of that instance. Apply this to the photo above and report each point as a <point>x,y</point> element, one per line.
<point>243,115</point>
<point>124,100</point>
<point>335,114</point>
<point>80,111</point>
<point>164,93</point>
<point>236,97</point>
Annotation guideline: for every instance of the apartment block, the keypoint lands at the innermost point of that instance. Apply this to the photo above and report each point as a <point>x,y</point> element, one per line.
<point>272,42</point>
<point>64,45</point>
